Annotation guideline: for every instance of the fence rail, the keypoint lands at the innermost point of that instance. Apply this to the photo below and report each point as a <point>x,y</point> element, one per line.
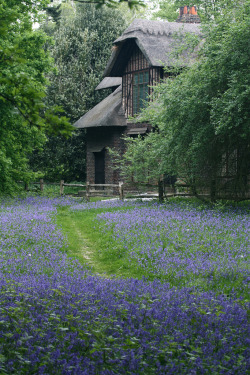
<point>131,190</point>
<point>121,189</point>
<point>89,191</point>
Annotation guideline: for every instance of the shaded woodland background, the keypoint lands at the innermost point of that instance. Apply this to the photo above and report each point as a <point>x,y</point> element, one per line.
<point>48,76</point>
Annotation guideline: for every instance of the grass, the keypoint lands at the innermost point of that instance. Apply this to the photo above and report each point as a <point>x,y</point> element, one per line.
<point>87,243</point>
<point>52,190</point>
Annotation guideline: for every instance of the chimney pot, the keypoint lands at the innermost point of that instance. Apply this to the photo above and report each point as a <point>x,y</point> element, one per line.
<point>188,15</point>
<point>193,11</point>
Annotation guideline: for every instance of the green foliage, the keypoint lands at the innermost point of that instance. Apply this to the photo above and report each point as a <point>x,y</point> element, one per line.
<point>81,49</point>
<point>201,117</point>
<point>62,159</point>
<point>168,10</point>
<point>82,41</point>
<point>142,161</point>
<point>16,142</point>
<point>24,64</point>
<point>54,12</point>
<point>23,115</point>
<point>208,10</point>
<point>114,3</point>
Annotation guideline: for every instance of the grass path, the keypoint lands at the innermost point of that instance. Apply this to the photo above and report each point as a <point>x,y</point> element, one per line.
<point>84,249</point>
<point>87,244</point>
<point>76,230</point>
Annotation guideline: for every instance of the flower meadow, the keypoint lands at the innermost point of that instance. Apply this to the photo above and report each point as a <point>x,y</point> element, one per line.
<point>185,245</point>
<point>57,317</point>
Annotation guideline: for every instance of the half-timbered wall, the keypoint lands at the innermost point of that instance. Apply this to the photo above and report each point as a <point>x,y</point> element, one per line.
<point>137,63</point>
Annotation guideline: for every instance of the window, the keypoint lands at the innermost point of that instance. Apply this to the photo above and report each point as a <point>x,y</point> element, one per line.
<point>140,90</point>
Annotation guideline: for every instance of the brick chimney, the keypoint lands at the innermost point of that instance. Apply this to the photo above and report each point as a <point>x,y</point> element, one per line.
<point>188,15</point>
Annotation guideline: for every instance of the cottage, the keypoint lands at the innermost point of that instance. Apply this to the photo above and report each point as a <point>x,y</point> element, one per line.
<point>135,67</point>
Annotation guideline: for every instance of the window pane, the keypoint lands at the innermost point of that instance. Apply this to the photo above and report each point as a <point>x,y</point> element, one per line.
<point>140,90</point>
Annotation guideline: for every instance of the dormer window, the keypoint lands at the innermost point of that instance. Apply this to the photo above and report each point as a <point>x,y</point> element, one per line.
<point>138,79</point>
<point>140,90</point>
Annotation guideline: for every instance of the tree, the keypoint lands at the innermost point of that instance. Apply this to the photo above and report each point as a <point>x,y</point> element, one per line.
<point>201,117</point>
<point>23,65</point>
<point>167,10</point>
<point>207,9</point>
<point>82,44</point>
<point>113,3</point>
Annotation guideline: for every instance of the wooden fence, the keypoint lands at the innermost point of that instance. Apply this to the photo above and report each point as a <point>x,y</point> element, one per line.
<point>93,190</point>
<point>89,190</point>
<point>108,190</point>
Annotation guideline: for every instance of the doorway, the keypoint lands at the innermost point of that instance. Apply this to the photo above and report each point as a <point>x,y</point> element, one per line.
<point>100,167</point>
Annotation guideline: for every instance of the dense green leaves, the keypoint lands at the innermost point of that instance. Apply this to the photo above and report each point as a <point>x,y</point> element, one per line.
<point>62,159</point>
<point>82,45</point>
<point>31,107</point>
<point>24,64</point>
<point>83,38</point>
<point>113,3</point>
<point>208,10</point>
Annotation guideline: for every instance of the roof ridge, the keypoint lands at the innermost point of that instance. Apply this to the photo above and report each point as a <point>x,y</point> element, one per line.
<point>152,27</point>
<point>155,28</point>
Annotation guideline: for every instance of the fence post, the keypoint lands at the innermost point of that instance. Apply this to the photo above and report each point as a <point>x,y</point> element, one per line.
<point>121,191</point>
<point>61,187</point>
<point>41,184</point>
<point>160,189</point>
<point>87,191</point>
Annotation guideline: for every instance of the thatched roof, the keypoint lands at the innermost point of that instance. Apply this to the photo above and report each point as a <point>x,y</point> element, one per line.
<point>109,82</point>
<point>156,40</point>
<point>108,112</point>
